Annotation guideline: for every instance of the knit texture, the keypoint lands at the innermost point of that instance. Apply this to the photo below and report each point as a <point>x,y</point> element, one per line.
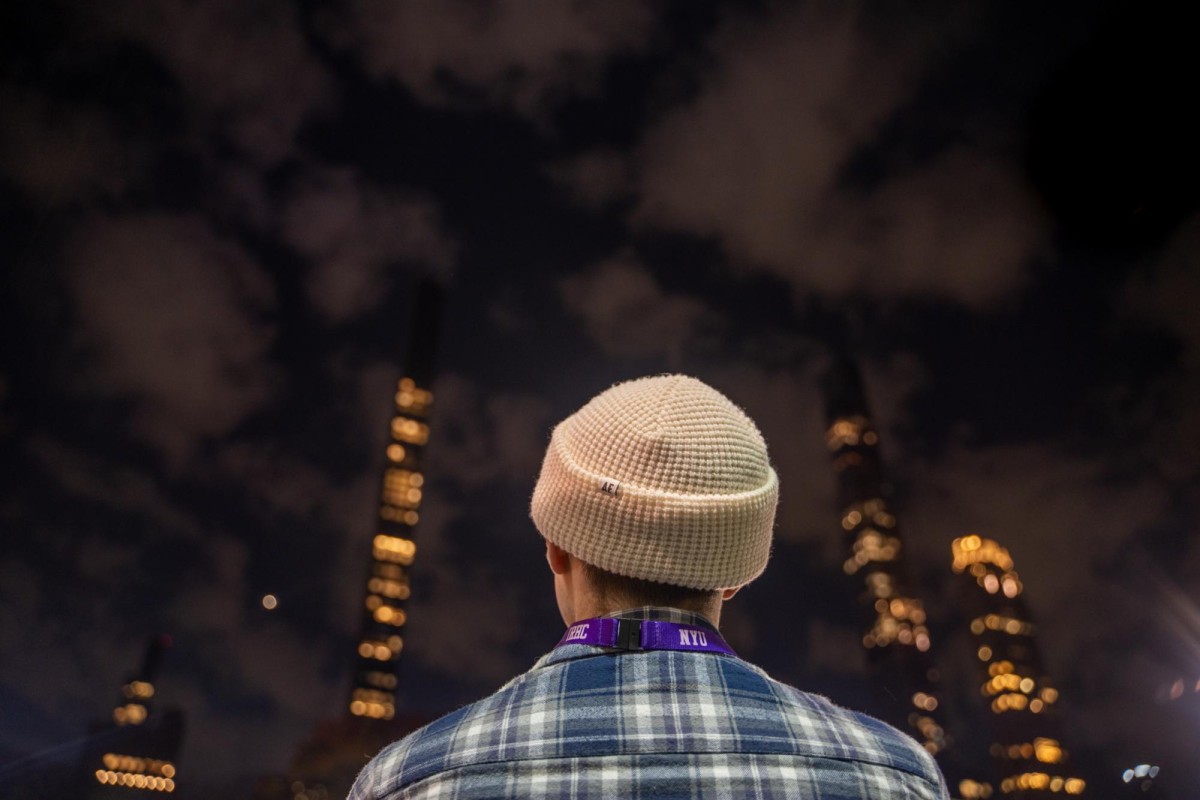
<point>662,479</point>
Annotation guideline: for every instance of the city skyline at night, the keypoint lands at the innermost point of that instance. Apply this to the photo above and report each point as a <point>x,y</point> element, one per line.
<point>897,640</point>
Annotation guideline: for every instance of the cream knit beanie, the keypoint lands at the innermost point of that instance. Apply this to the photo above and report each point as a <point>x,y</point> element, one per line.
<point>662,479</point>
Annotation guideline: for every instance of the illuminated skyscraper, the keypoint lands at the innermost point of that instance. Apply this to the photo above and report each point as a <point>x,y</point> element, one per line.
<point>1027,742</point>
<point>895,634</point>
<point>393,547</point>
<point>133,755</point>
<point>326,764</point>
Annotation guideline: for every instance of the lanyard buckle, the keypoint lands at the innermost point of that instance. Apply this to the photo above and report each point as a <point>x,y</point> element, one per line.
<point>629,634</point>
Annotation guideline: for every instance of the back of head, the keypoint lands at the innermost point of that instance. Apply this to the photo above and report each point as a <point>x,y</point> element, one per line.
<point>662,479</point>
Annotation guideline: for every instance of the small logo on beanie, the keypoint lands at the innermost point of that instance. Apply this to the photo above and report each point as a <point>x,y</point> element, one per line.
<point>609,486</point>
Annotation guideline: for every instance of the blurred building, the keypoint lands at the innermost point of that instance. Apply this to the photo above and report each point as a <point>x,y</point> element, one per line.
<point>133,754</point>
<point>896,635</point>
<point>393,547</point>
<point>328,762</point>
<point>1027,749</point>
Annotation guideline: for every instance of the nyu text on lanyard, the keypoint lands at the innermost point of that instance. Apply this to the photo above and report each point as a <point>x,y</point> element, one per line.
<point>637,634</point>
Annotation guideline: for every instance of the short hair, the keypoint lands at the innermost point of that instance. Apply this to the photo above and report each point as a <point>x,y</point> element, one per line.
<point>610,586</point>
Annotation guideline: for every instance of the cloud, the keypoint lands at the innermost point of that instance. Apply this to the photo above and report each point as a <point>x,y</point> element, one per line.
<point>213,602</point>
<point>291,492</point>
<point>60,154</point>
<point>514,52</point>
<point>73,642</point>
<point>172,317</point>
<point>1167,418</point>
<point>772,125</point>
<point>286,484</point>
<point>763,141</point>
<point>627,314</point>
<point>244,65</point>
<point>116,485</point>
<point>1164,292</point>
<point>757,162</point>
<point>483,437</point>
<point>962,227</point>
<point>595,178</point>
<point>889,385</point>
<point>354,234</point>
<point>270,698</point>
<point>242,677</point>
<point>465,612</point>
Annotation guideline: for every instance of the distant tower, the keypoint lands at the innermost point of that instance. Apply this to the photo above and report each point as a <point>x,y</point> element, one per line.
<point>1027,742</point>
<point>896,637</point>
<point>327,763</point>
<point>380,643</point>
<point>134,754</point>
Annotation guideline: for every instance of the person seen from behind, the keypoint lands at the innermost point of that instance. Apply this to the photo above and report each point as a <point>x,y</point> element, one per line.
<point>656,501</point>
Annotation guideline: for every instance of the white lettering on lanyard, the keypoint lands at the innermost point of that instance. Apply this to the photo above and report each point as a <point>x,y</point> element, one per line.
<point>576,632</point>
<point>692,638</point>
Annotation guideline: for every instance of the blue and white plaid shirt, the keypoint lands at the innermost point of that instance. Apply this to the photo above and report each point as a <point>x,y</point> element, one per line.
<point>590,722</point>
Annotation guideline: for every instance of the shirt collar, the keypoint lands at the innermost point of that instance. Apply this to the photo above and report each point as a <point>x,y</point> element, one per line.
<point>665,614</point>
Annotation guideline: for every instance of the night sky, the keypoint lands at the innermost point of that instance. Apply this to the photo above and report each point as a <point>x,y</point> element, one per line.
<point>214,215</point>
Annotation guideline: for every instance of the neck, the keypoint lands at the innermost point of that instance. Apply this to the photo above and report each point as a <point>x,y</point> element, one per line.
<point>711,612</point>
<point>578,598</point>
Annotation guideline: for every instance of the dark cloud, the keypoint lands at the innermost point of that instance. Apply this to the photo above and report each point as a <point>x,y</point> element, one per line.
<point>595,179</point>
<point>355,234</point>
<point>758,159</point>
<point>1161,293</point>
<point>1166,421</point>
<point>86,476</point>
<point>61,154</point>
<point>247,72</point>
<point>486,436</point>
<point>464,610</point>
<point>626,312</point>
<point>176,319</point>
<point>912,235</point>
<point>517,53</point>
<point>263,669</point>
<point>73,650</point>
<point>1162,296</point>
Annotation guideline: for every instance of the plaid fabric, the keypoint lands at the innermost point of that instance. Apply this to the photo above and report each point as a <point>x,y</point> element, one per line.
<point>587,722</point>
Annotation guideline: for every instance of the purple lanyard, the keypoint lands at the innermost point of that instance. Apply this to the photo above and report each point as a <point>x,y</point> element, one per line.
<point>637,634</point>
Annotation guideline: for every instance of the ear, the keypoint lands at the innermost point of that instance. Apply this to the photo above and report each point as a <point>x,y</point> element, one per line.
<point>559,559</point>
<point>728,593</point>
